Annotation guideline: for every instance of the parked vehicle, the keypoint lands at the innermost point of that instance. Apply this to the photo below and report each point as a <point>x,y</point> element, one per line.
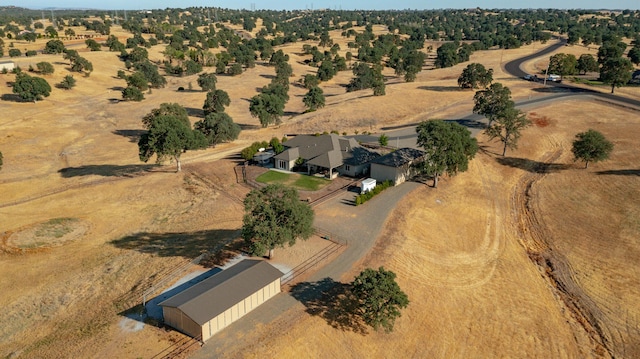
<point>554,78</point>
<point>530,77</point>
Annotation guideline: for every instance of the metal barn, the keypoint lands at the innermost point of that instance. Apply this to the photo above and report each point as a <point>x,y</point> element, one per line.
<point>211,305</point>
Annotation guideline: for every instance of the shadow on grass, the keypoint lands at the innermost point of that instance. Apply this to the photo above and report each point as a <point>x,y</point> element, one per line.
<point>331,301</point>
<point>13,98</point>
<point>132,135</point>
<point>560,89</point>
<point>246,126</point>
<point>620,172</point>
<point>183,244</point>
<point>105,170</point>
<point>531,165</point>
<point>195,112</point>
<point>441,88</point>
<point>469,123</point>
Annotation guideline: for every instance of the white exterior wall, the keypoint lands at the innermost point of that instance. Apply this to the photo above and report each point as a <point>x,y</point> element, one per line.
<point>236,312</point>
<point>7,65</point>
<point>284,165</point>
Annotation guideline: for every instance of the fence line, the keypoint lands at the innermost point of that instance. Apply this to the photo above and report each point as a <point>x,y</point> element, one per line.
<point>305,266</point>
<point>177,348</point>
<point>169,277</point>
<point>324,234</point>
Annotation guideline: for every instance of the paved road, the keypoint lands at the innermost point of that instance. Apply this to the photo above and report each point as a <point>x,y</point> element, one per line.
<point>364,224</point>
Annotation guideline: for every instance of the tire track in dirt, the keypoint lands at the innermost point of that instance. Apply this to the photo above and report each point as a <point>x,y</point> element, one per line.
<point>554,266</point>
<point>464,269</point>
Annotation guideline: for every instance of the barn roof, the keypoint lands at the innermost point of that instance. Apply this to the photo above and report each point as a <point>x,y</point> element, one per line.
<point>214,295</point>
<point>399,157</point>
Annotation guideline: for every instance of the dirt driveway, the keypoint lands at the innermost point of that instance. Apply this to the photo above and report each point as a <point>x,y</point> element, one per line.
<point>359,226</point>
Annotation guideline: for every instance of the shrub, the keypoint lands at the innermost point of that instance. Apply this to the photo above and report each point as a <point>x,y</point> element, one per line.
<point>30,53</point>
<point>362,198</point>
<point>15,53</point>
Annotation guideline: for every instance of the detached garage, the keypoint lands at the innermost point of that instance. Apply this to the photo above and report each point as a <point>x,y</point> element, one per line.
<point>397,166</point>
<point>211,305</point>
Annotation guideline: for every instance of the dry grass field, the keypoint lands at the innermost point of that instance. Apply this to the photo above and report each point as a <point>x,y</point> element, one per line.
<point>527,256</point>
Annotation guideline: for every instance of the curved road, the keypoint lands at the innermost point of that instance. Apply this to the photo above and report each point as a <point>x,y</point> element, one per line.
<point>366,223</point>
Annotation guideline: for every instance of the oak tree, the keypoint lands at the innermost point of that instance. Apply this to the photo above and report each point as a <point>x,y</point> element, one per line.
<point>216,101</point>
<point>218,128</point>
<point>475,75</point>
<point>591,146</point>
<point>31,88</point>
<point>492,101</point>
<point>169,137</point>
<point>448,147</point>
<point>314,99</point>
<point>507,127</point>
<point>379,298</point>
<point>275,216</point>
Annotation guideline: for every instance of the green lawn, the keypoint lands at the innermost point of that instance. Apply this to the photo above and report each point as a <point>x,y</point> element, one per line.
<point>300,182</point>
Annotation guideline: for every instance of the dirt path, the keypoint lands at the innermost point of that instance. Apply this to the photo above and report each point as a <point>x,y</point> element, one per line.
<point>537,241</point>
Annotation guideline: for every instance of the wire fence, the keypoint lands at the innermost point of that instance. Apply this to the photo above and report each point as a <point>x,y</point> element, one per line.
<point>177,349</point>
<point>336,245</point>
<point>164,281</point>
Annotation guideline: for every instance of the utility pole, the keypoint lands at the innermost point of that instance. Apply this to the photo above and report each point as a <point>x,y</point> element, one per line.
<point>53,19</point>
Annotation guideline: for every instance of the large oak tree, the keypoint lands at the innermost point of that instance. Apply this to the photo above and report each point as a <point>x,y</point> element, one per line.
<point>275,216</point>
<point>378,298</point>
<point>169,136</point>
<point>448,148</point>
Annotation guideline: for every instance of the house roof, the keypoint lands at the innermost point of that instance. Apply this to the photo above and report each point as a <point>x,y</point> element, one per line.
<point>328,151</point>
<point>214,295</point>
<point>360,156</point>
<point>399,157</point>
<point>290,154</point>
<point>331,159</point>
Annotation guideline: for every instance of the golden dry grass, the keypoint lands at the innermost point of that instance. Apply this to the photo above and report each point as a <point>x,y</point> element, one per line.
<point>459,255</point>
<point>455,249</point>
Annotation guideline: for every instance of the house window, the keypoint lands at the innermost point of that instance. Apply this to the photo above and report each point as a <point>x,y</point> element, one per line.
<point>347,168</point>
<point>282,164</point>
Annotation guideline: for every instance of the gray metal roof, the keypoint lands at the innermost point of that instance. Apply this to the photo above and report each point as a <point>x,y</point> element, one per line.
<point>328,151</point>
<point>214,295</point>
<point>399,157</point>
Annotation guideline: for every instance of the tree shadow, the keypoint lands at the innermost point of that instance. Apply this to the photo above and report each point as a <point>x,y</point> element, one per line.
<point>560,89</point>
<point>132,135</point>
<point>13,98</point>
<point>469,123</point>
<point>188,245</point>
<point>194,112</point>
<point>117,88</point>
<point>531,165</point>
<point>270,77</point>
<point>246,126</point>
<point>332,301</point>
<point>105,170</point>
<point>620,172</point>
<point>441,88</point>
